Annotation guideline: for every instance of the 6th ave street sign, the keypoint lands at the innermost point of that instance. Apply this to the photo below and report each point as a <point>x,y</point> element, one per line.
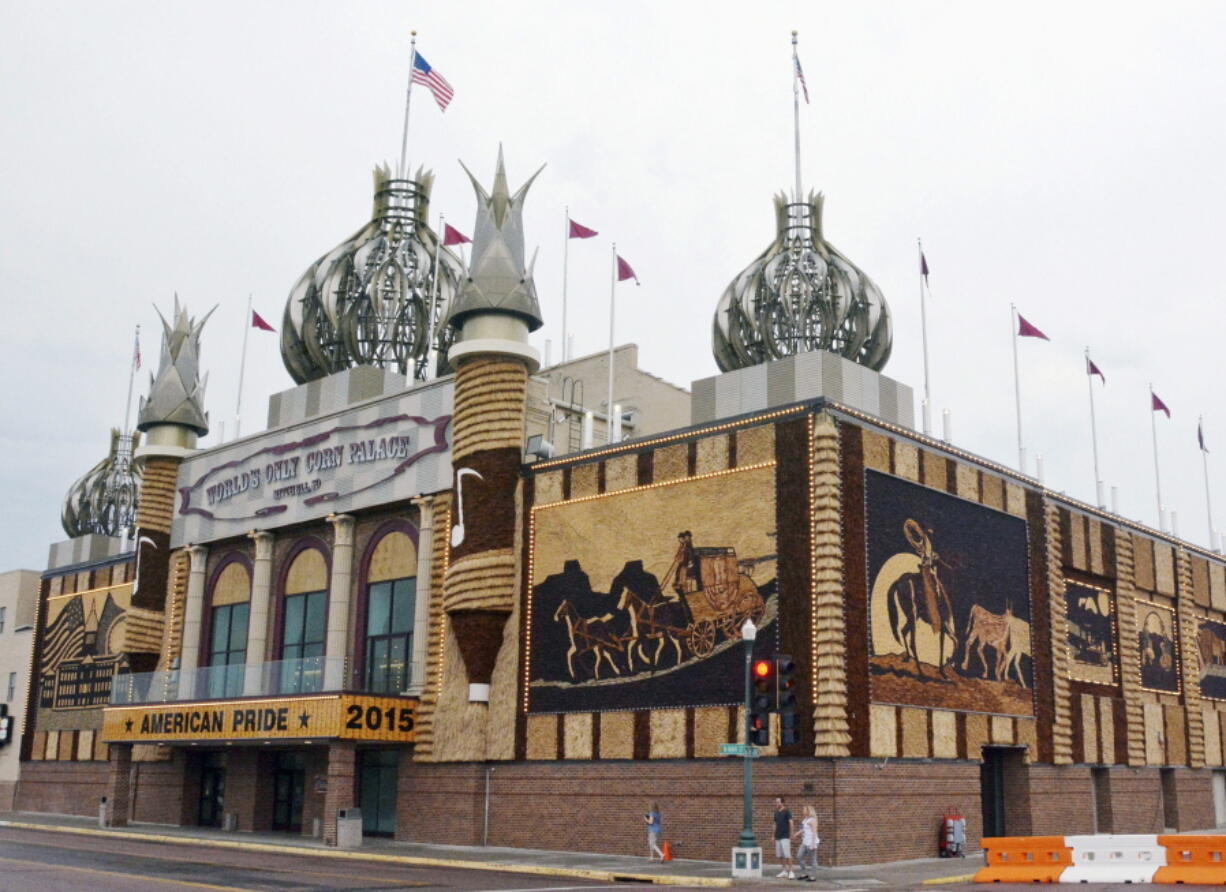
<point>740,749</point>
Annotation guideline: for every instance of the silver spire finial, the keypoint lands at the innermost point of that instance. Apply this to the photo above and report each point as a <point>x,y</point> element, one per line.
<point>498,279</point>
<point>176,393</point>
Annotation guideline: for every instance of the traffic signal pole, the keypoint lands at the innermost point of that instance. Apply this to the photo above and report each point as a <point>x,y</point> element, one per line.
<point>747,839</point>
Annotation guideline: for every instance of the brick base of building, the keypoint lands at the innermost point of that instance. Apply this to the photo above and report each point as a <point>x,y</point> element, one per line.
<point>868,810</point>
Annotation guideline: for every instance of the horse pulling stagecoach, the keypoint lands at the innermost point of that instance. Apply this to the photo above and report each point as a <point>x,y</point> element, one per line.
<point>711,594</point>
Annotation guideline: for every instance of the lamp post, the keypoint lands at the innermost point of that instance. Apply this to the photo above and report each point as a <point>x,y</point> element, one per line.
<point>747,840</point>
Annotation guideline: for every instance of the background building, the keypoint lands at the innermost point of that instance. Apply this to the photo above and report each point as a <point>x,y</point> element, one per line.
<point>18,601</point>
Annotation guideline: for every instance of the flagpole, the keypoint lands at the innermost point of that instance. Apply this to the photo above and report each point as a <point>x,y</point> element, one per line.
<point>431,343</point>
<point>1153,428</point>
<point>408,98</point>
<point>612,308</point>
<point>565,261</point>
<point>242,368</point>
<point>1204,463</point>
<point>127,412</point>
<point>796,112</point>
<point>1098,480</point>
<point>1017,392</point>
<point>927,413</point>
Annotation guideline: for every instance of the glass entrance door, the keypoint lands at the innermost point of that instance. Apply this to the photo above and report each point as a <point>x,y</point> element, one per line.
<point>288,788</point>
<point>377,791</point>
<point>212,790</point>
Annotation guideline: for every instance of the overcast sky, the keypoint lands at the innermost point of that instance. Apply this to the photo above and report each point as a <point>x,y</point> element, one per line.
<point>1067,157</point>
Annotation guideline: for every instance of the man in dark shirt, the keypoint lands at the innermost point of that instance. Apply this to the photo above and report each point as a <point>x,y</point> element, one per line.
<point>783,838</point>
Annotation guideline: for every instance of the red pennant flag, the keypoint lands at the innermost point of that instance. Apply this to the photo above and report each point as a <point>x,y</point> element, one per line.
<point>1156,405</point>
<point>453,236</point>
<point>257,321</point>
<point>578,230</point>
<point>1092,369</point>
<point>1026,330</point>
<point>624,271</point>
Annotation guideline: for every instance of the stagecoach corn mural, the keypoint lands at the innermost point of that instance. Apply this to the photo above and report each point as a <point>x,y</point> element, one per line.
<point>949,602</point>
<point>635,603</point>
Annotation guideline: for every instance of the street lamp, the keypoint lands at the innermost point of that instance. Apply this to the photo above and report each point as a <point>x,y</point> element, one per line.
<point>747,856</point>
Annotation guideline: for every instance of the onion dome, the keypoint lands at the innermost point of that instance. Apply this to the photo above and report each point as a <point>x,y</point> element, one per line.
<point>176,393</point>
<point>104,500</point>
<point>374,299</point>
<point>798,296</point>
<point>498,280</point>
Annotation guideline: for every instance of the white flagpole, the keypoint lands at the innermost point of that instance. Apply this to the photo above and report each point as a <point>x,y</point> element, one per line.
<point>408,98</point>
<point>1017,392</point>
<point>1204,463</point>
<point>565,260</point>
<point>432,343</point>
<point>612,308</point>
<point>1153,428</point>
<point>796,112</point>
<point>127,412</point>
<point>1098,480</point>
<point>242,368</point>
<point>927,413</point>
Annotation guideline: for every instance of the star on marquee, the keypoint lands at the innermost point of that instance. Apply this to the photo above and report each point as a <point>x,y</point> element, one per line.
<point>304,719</point>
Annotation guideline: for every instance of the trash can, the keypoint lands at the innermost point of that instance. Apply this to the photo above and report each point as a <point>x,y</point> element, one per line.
<point>349,828</point>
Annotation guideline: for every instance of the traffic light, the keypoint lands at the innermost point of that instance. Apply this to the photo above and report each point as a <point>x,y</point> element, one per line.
<point>761,702</point>
<point>785,700</point>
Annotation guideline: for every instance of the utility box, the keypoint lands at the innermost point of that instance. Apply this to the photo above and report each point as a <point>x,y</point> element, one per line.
<point>102,812</point>
<point>349,828</point>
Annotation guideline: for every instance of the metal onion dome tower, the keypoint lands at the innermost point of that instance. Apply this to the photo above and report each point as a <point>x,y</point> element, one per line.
<point>104,500</point>
<point>377,298</point>
<point>800,294</point>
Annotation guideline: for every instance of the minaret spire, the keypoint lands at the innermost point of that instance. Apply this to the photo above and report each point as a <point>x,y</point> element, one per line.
<point>797,78</point>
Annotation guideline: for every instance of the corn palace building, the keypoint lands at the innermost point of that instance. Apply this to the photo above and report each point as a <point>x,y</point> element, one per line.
<point>446,588</point>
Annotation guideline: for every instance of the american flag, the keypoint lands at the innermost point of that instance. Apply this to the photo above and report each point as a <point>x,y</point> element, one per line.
<point>136,353</point>
<point>800,76</point>
<point>430,78</point>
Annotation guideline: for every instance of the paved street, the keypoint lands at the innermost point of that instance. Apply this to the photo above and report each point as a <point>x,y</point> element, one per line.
<point>55,862</point>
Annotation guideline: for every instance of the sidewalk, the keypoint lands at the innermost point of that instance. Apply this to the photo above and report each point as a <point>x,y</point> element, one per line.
<point>610,868</point>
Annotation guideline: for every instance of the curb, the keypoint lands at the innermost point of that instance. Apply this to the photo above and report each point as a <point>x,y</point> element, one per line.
<point>586,873</point>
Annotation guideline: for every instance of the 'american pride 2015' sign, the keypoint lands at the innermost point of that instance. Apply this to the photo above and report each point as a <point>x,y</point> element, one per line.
<point>344,716</point>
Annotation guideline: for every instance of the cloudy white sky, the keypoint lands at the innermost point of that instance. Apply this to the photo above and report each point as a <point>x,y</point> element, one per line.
<point>1067,157</point>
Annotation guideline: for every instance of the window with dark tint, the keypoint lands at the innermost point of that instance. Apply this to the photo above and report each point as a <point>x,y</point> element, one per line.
<point>227,650</point>
<point>302,643</point>
<point>389,634</point>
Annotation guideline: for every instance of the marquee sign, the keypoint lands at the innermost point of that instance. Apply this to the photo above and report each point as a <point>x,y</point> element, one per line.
<point>384,451</point>
<point>343,716</point>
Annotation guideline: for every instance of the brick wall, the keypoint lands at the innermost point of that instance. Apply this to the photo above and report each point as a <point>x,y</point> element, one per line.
<point>598,806</point>
<point>1194,799</point>
<point>1060,799</point>
<point>1136,801</point>
<point>64,788</point>
<point>158,792</point>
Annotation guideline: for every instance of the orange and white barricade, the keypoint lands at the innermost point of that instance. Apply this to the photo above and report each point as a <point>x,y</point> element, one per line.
<point>1105,858</point>
<point>1133,858</point>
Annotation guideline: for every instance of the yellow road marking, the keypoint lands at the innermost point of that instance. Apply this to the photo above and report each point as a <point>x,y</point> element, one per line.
<point>960,878</point>
<point>135,876</point>
<point>412,860</point>
<point>323,873</point>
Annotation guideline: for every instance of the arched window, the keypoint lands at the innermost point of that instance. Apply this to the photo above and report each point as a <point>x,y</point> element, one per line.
<point>390,604</point>
<point>226,647</point>
<point>304,620</point>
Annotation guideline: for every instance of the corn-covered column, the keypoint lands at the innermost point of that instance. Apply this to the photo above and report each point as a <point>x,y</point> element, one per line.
<point>493,314</point>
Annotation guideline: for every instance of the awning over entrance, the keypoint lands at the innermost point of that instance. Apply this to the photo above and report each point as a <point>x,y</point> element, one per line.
<point>322,716</point>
